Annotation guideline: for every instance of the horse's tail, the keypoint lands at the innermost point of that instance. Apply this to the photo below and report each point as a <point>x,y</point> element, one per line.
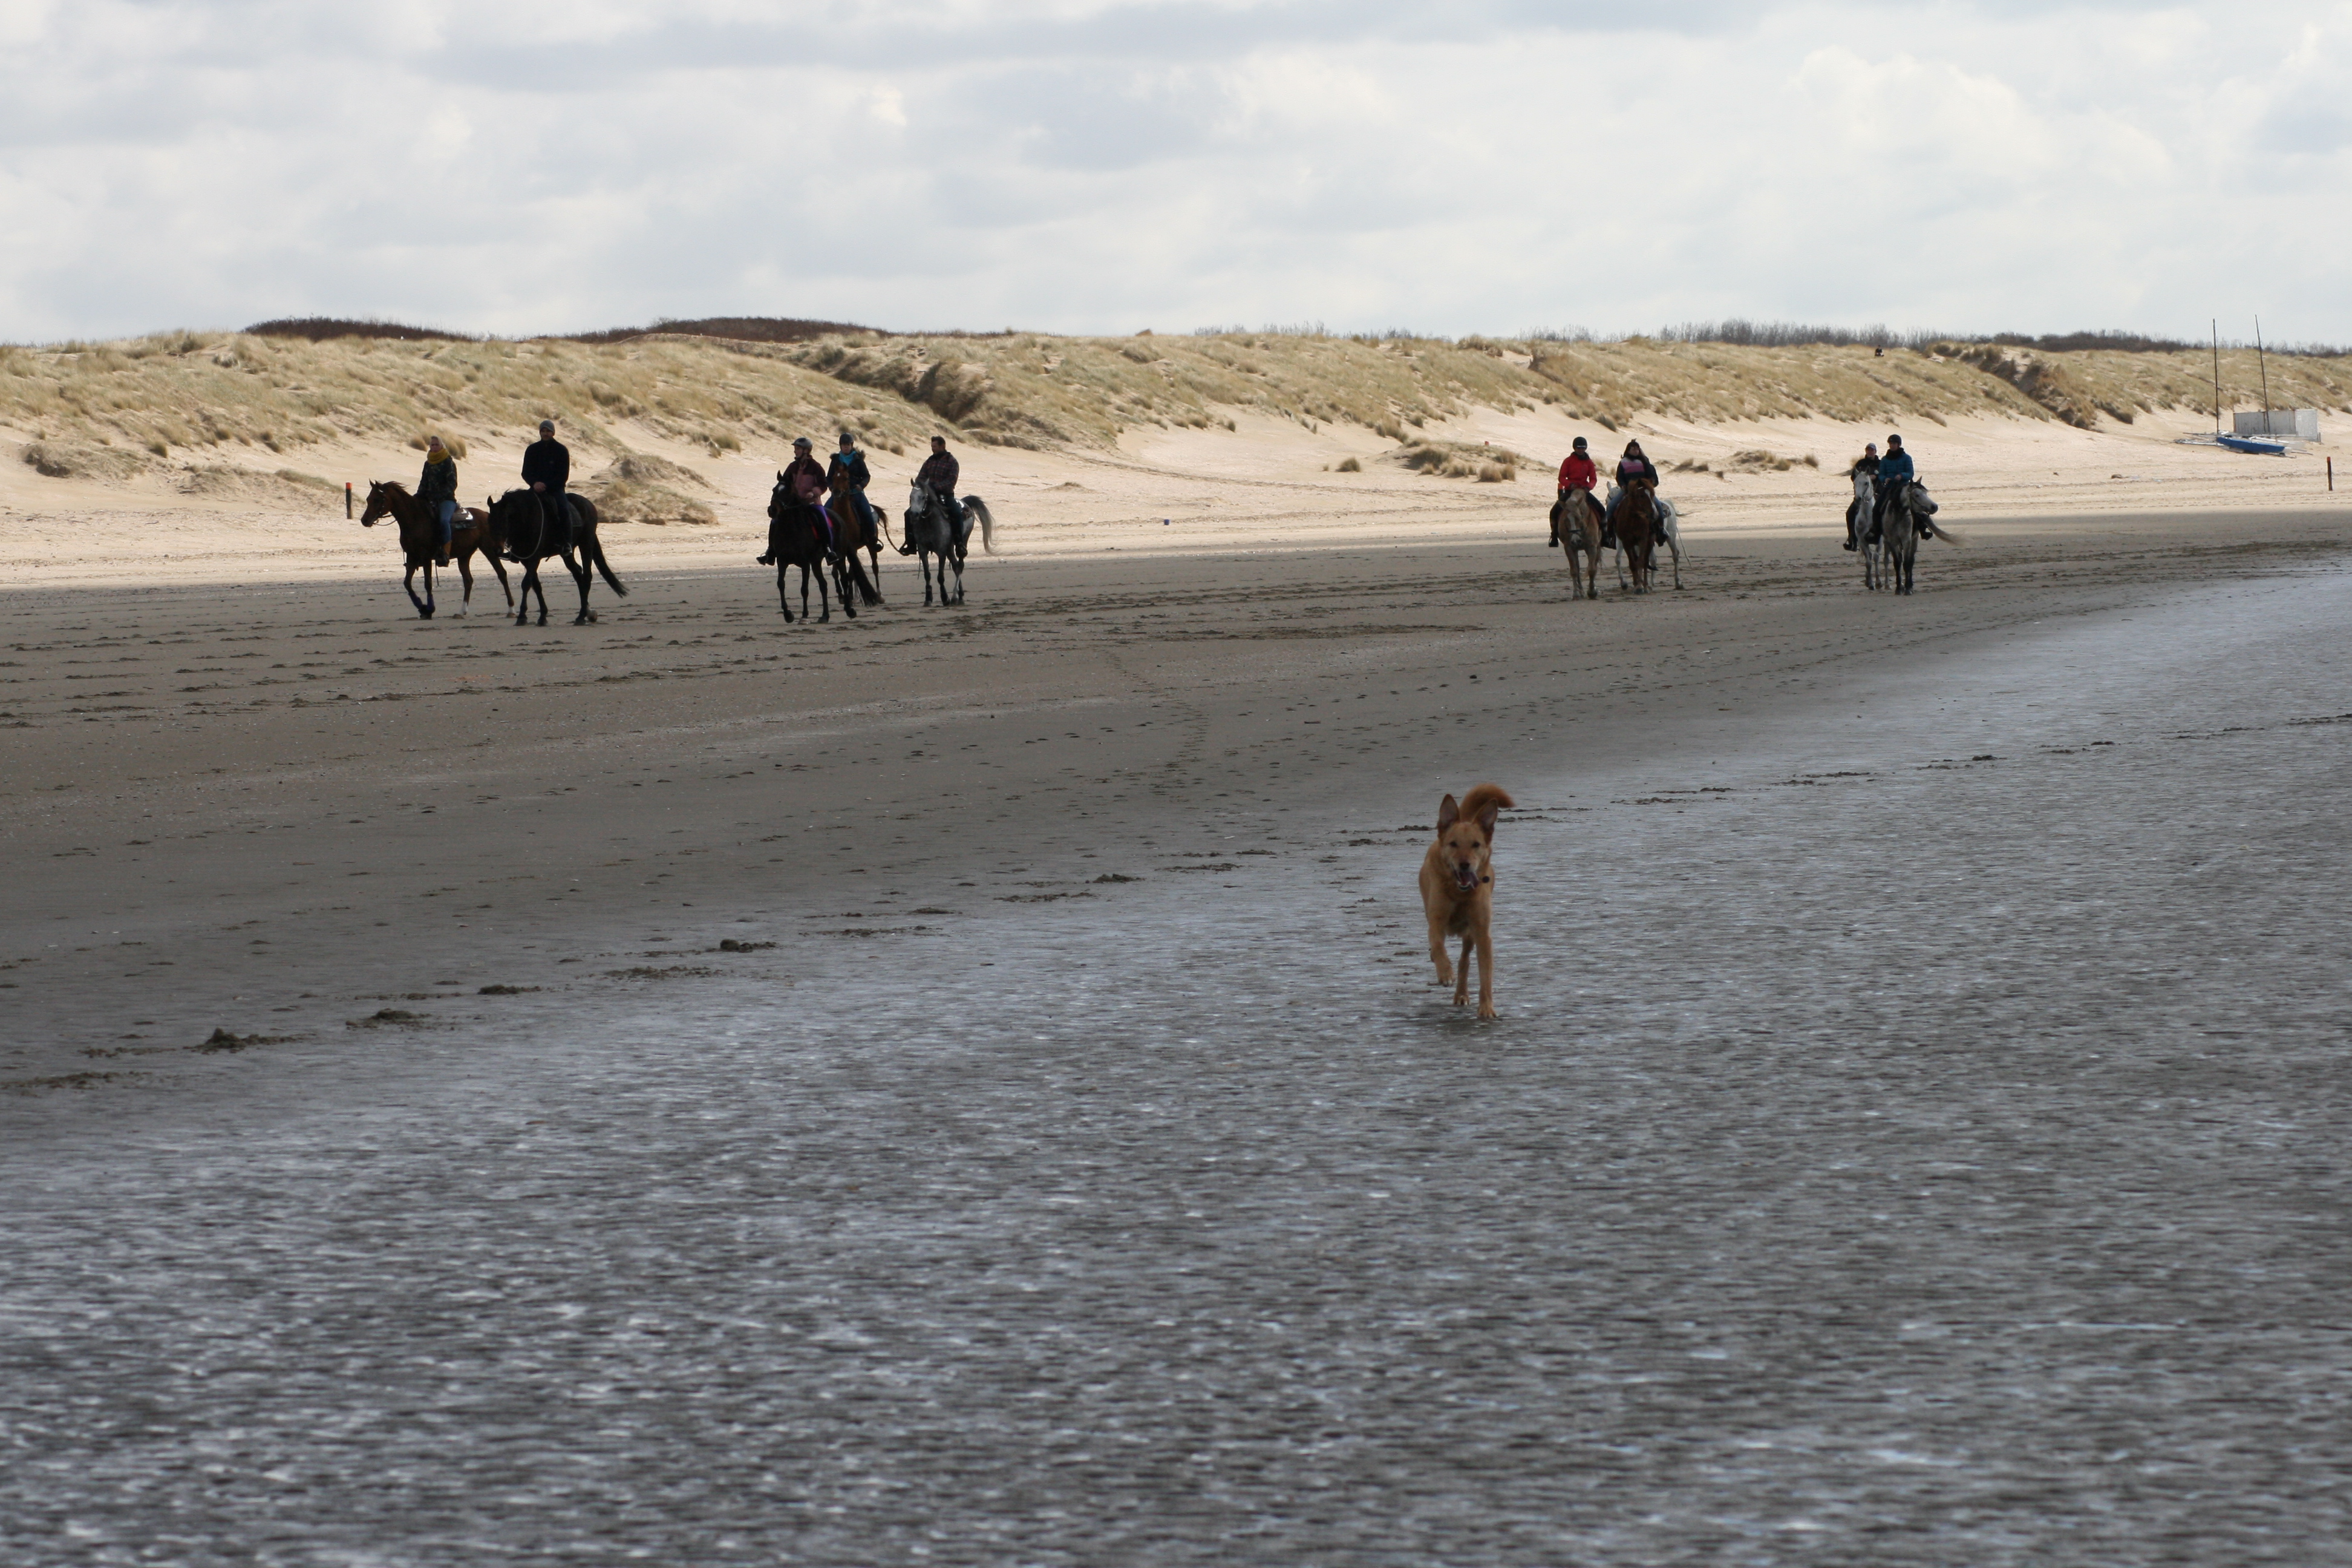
<point>596,554</point>
<point>857,576</point>
<point>979,508</point>
<point>1938,530</point>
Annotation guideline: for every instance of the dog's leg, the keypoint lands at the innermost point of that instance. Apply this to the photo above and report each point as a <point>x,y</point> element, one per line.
<point>1486,974</point>
<point>1437,951</point>
<point>1462,974</point>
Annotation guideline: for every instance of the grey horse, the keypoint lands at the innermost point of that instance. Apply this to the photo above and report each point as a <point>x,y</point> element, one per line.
<point>932,529</point>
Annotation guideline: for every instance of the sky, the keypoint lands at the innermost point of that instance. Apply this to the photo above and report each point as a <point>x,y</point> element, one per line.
<point>1103,166</point>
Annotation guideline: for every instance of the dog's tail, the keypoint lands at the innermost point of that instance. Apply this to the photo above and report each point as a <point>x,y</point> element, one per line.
<point>1473,805</point>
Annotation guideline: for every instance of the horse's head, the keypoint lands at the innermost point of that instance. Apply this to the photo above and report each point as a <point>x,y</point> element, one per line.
<point>1921,501</point>
<point>379,503</point>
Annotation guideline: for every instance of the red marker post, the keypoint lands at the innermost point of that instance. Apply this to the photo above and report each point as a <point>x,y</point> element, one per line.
<point>347,500</point>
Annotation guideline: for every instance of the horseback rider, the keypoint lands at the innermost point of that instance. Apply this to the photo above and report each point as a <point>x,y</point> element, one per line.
<point>847,472</point>
<point>1865,464</point>
<point>1579,473</point>
<point>1633,465</point>
<point>436,491</point>
<point>546,465</point>
<point>938,475</point>
<point>805,482</point>
<point>1895,472</point>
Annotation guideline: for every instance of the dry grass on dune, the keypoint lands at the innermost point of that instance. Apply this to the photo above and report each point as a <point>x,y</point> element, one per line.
<point>176,402</point>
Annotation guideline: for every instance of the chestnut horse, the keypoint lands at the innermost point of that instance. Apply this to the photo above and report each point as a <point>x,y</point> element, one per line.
<point>1576,519</point>
<point>420,540</point>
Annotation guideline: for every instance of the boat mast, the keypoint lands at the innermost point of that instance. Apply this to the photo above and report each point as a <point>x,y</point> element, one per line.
<point>2217,376</point>
<point>2266,376</point>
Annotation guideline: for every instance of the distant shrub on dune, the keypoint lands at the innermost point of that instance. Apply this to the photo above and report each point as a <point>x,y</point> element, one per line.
<point>1350,466</point>
<point>324,329</point>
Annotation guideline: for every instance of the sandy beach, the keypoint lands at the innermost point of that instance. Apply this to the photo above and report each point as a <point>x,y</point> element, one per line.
<point>965,1086</point>
<point>236,807</point>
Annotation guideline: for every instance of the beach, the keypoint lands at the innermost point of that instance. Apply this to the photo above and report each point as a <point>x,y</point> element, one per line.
<point>1910,1131</point>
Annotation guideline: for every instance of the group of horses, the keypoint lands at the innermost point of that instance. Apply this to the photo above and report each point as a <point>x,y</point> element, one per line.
<point>1645,520</point>
<point>1889,552</point>
<point>817,537</point>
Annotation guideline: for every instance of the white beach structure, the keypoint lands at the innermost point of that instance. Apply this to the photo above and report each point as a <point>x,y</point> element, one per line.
<point>2292,423</point>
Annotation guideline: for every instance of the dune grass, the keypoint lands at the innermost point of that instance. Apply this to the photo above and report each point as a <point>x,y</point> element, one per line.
<point>168,399</point>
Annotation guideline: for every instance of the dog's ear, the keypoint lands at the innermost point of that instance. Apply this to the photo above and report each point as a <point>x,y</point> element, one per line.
<point>1448,814</point>
<point>1486,819</point>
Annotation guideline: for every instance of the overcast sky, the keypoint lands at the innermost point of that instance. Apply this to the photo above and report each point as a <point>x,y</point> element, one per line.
<point>1090,165</point>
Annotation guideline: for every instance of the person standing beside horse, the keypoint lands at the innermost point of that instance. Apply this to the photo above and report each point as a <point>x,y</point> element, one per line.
<point>1633,465</point>
<point>546,468</point>
<point>436,491</point>
<point>1579,473</point>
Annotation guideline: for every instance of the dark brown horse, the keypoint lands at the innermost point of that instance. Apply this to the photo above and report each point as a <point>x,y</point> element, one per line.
<point>1637,534</point>
<point>850,535</point>
<point>797,538</point>
<point>420,540</point>
<point>522,528</point>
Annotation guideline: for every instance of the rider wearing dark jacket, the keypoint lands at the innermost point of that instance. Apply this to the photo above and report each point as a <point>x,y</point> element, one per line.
<point>546,468</point>
<point>1634,464</point>
<point>1895,471</point>
<point>436,491</point>
<point>940,471</point>
<point>848,472</point>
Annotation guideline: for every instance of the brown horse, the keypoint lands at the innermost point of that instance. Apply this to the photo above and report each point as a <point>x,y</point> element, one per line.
<point>1576,519</point>
<point>850,535</point>
<point>795,539</point>
<point>1637,534</point>
<point>420,540</point>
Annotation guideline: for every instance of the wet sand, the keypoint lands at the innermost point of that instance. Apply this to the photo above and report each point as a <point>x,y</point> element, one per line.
<point>239,808</point>
<point>1914,1132</point>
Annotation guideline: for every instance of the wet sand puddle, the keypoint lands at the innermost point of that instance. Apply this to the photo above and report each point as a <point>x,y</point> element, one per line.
<point>1916,1140</point>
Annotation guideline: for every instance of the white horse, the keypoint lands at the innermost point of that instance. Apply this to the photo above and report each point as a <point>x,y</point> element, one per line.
<point>1907,522</point>
<point>1865,497</point>
<point>1669,532</point>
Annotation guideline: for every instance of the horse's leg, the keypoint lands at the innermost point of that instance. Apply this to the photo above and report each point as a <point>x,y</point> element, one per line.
<point>1675,545</point>
<point>957,559</point>
<point>466,575</point>
<point>927,579</point>
<point>825,605</point>
<point>408,586</point>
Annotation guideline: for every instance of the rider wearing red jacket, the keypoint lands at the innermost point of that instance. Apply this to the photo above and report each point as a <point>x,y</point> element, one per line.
<point>1579,473</point>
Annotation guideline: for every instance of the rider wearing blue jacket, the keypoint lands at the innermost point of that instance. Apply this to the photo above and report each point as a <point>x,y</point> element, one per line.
<point>1894,470</point>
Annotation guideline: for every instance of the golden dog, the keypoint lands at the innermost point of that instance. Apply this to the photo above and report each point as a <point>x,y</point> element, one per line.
<point>1457,889</point>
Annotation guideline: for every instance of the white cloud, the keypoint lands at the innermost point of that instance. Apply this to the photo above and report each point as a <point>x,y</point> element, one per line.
<point>1096,164</point>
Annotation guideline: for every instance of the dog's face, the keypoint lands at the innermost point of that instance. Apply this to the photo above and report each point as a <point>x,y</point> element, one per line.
<point>1464,844</point>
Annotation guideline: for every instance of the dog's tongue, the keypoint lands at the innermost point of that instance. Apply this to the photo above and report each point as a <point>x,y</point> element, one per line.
<point>1464,878</point>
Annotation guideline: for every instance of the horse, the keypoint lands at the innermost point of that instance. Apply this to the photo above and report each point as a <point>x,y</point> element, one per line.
<point>931,531</point>
<point>1576,521</point>
<point>1906,521</point>
<point>866,532</point>
<point>1857,521</point>
<point>1667,532</point>
<point>795,540</point>
<point>420,540</point>
<point>851,533</point>
<point>1638,526</point>
<point>519,525</point>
